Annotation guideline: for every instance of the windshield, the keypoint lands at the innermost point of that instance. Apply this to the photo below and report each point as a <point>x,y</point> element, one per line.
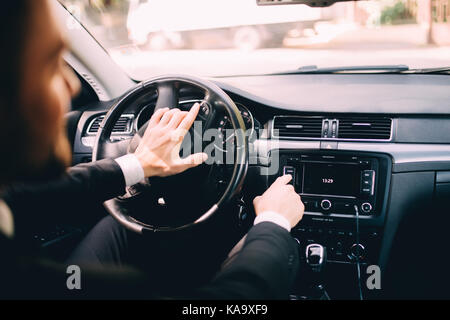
<point>237,37</point>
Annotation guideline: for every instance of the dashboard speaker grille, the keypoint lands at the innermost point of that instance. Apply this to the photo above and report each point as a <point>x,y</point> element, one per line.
<point>365,128</point>
<point>295,126</point>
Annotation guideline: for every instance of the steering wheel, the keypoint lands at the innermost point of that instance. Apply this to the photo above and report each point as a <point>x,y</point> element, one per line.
<point>216,102</point>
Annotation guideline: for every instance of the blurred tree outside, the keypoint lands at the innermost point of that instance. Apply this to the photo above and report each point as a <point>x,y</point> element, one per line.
<point>107,18</point>
<point>398,13</point>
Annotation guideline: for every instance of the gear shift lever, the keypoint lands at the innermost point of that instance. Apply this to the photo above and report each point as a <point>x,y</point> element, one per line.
<point>316,257</point>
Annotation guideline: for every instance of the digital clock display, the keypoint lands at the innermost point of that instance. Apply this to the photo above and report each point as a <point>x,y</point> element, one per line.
<point>332,179</point>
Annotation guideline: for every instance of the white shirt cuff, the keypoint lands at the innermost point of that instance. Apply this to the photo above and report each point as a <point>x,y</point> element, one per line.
<point>271,216</point>
<point>131,169</point>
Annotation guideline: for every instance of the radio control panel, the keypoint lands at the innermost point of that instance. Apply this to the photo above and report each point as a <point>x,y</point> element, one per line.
<point>334,184</point>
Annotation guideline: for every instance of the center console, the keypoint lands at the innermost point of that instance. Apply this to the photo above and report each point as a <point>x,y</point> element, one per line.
<point>334,183</point>
<point>343,192</point>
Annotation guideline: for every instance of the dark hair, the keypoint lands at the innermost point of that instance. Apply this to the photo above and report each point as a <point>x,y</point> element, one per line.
<point>14,19</point>
<point>13,22</point>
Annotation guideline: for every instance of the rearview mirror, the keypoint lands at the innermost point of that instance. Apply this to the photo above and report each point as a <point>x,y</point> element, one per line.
<point>311,3</point>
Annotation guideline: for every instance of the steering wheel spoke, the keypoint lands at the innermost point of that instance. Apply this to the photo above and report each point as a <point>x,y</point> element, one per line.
<point>114,149</point>
<point>167,95</point>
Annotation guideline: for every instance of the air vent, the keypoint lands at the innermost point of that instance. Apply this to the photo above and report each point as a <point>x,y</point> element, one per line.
<point>297,127</point>
<point>95,124</point>
<point>365,128</point>
<point>123,125</point>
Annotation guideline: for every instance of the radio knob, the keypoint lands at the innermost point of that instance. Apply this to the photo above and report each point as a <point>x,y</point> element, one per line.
<point>325,204</point>
<point>366,207</point>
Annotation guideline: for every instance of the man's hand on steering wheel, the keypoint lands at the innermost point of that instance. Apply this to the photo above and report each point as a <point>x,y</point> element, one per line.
<point>159,150</point>
<point>156,153</point>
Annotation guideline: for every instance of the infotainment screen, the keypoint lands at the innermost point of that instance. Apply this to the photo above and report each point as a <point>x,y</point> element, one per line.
<point>332,179</point>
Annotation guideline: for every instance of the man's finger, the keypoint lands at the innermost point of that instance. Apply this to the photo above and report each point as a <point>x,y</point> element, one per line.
<point>256,199</point>
<point>187,122</point>
<point>168,116</point>
<point>194,160</point>
<point>177,135</point>
<point>154,120</point>
<point>283,180</point>
<point>176,119</point>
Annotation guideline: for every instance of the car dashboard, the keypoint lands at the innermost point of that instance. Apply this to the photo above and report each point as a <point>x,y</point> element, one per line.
<point>364,150</point>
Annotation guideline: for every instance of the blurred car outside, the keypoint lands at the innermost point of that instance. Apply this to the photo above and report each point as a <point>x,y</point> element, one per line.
<point>241,24</point>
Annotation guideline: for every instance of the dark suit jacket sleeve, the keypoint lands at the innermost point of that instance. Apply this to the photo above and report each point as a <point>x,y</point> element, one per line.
<point>265,268</point>
<point>74,197</point>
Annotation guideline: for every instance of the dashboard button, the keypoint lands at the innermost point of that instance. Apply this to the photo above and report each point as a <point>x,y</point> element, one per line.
<point>310,205</point>
<point>367,182</point>
<point>289,170</point>
<point>325,204</point>
<point>366,207</point>
<point>328,145</point>
<point>342,207</point>
<point>368,174</point>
